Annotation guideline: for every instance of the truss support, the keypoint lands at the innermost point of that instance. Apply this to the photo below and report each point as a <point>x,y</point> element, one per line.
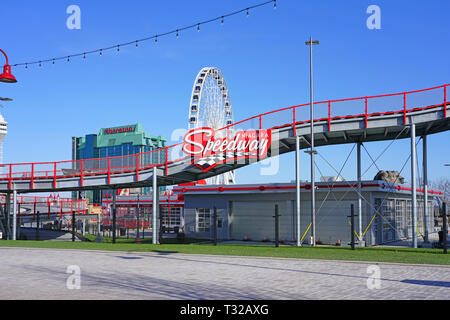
<point>358,155</point>
<point>413,187</point>
<point>425,187</point>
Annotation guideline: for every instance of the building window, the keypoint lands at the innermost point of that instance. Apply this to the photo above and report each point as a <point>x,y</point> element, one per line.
<point>172,217</point>
<point>203,220</point>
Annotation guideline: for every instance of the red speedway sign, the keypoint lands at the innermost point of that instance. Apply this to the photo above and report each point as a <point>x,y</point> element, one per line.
<point>210,149</point>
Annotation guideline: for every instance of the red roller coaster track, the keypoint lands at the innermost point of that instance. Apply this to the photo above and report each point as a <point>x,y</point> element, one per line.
<point>329,111</point>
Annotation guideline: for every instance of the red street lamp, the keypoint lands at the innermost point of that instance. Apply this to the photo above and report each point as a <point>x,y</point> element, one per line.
<point>6,76</point>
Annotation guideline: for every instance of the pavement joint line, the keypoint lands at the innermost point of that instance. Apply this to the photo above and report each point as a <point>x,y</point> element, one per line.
<point>235,256</point>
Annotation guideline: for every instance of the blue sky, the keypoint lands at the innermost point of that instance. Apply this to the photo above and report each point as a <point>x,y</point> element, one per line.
<point>263,58</point>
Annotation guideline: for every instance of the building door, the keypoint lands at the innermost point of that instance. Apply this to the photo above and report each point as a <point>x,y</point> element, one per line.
<point>255,220</point>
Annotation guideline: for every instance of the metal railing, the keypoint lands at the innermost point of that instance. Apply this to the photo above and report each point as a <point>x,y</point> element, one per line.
<point>55,205</point>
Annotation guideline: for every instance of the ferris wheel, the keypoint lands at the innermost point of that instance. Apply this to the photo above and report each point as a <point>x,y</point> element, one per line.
<point>211,107</point>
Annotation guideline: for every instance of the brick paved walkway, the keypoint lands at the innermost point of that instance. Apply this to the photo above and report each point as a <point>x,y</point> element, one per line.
<point>41,274</point>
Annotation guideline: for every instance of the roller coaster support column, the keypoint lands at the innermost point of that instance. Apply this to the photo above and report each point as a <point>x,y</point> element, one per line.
<point>114,210</point>
<point>7,216</point>
<point>359,192</point>
<point>14,229</point>
<point>297,188</point>
<point>155,209</point>
<point>73,225</point>
<point>425,188</point>
<point>413,186</point>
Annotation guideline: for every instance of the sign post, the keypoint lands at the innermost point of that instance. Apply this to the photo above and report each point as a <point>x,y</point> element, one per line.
<point>352,227</point>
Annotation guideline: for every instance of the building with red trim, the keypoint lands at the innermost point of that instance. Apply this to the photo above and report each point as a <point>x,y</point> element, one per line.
<point>247,211</point>
<point>170,209</point>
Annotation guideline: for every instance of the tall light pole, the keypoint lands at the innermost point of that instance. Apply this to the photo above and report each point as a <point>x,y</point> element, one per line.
<point>310,43</point>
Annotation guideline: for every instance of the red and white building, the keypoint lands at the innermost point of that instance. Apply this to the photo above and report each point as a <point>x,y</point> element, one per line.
<point>247,211</point>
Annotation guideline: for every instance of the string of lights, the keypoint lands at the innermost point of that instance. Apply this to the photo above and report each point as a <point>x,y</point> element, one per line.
<point>154,37</point>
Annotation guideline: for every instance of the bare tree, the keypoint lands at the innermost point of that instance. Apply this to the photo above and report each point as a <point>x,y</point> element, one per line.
<point>443,185</point>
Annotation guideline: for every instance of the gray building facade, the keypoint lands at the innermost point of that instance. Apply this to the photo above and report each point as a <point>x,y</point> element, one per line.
<point>247,212</point>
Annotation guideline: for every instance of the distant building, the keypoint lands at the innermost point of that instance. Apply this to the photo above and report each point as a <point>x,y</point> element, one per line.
<point>115,142</point>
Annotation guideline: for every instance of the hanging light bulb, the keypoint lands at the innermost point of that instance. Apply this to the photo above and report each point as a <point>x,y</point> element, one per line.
<point>68,59</point>
<point>40,64</point>
<point>53,62</point>
<point>247,13</point>
<point>118,48</point>
<point>274,4</point>
<point>222,20</point>
<point>101,52</point>
<point>84,56</point>
<point>156,39</point>
<point>137,44</point>
<point>177,33</point>
<point>198,27</point>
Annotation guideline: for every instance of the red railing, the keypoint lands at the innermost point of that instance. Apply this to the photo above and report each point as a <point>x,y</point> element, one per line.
<point>326,112</point>
<point>60,205</point>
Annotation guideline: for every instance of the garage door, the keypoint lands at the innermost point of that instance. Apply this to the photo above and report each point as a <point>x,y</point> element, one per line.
<point>255,220</point>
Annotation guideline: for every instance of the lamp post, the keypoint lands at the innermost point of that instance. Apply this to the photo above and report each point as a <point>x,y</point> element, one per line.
<point>310,43</point>
<point>6,76</point>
